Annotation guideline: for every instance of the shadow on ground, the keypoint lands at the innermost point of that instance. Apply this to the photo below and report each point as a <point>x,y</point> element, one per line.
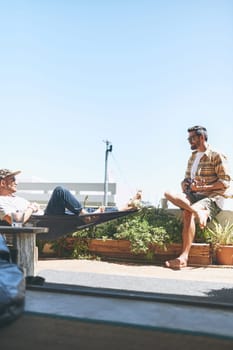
<point>223,295</point>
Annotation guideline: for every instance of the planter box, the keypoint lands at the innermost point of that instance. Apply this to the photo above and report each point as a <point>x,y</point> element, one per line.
<point>200,253</point>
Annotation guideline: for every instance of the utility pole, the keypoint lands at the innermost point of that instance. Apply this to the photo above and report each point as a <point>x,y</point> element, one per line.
<point>108,149</point>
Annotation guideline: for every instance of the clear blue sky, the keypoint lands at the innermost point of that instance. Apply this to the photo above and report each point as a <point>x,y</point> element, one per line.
<point>138,73</point>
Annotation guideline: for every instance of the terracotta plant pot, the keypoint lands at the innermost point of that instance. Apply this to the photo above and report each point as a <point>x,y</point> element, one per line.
<point>224,255</point>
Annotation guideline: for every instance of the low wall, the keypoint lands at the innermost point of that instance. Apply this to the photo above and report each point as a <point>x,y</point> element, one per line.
<point>224,216</point>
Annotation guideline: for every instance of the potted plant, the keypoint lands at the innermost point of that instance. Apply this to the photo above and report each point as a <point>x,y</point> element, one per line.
<point>221,238</point>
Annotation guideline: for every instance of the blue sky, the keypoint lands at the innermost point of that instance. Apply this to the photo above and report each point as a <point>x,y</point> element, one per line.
<point>138,73</point>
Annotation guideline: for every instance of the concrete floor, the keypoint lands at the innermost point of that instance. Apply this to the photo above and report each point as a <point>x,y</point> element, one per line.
<point>147,297</point>
<point>211,282</point>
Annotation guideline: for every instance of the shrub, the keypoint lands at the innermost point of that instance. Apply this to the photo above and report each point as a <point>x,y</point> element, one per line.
<point>220,234</point>
<point>147,226</point>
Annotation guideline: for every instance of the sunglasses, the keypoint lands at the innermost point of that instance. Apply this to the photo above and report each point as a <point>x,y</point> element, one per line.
<point>191,138</point>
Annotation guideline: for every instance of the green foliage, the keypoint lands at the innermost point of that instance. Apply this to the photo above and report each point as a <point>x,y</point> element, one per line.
<point>73,247</point>
<point>153,216</point>
<point>141,235</point>
<point>80,249</point>
<point>201,234</point>
<point>157,217</point>
<point>147,226</point>
<point>150,226</point>
<point>219,234</point>
<point>107,229</point>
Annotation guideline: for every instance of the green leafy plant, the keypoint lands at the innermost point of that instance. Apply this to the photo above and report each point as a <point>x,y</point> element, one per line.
<point>71,247</point>
<point>107,229</point>
<point>219,234</point>
<point>141,235</point>
<point>147,227</point>
<point>158,217</point>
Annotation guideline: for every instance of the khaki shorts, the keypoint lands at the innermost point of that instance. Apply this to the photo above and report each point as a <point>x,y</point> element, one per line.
<point>206,203</point>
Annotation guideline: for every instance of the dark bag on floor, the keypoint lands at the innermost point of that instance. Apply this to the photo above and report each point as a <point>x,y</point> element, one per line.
<point>12,287</point>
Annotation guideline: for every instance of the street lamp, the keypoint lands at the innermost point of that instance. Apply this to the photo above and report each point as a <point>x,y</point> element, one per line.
<point>108,149</point>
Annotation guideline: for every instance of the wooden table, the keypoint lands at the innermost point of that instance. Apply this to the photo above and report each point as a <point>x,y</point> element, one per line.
<point>24,241</point>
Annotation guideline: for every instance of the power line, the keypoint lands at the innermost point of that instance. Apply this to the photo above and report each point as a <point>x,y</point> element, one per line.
<point>121,174</point>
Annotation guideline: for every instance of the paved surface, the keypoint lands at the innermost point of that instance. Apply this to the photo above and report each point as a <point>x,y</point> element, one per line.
<point>197,301</point>
<point>211,282</point>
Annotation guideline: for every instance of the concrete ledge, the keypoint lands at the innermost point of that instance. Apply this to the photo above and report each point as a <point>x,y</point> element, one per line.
<point>224,216</point>
<point>37,331</point>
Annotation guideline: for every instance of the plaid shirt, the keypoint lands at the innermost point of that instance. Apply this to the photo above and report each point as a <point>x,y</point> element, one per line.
<point>213,167</point>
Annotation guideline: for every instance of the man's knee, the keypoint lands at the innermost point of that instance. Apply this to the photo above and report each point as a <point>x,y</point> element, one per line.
<point>171,196</point>
<point>167,194</point>
<point>58,189</point>
<point>59,192</point>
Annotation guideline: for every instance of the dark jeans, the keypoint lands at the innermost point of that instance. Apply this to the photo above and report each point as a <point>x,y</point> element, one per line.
<point>61,201</point>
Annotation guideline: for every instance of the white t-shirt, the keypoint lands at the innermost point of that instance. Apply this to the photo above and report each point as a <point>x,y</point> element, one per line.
<point>10,204</point>
<point>195,164</point>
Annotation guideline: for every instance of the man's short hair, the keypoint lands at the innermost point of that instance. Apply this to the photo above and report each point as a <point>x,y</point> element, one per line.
<point>199,130</point>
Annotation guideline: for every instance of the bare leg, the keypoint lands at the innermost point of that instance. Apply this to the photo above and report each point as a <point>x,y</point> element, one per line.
<point>190,213</point>
<point>181,201</point>
<point>188,234</point>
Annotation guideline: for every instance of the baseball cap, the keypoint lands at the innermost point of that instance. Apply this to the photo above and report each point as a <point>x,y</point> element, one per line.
<point>6,172</point>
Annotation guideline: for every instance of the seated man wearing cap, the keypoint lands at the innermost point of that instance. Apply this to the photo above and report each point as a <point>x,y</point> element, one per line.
<point>60,201</point>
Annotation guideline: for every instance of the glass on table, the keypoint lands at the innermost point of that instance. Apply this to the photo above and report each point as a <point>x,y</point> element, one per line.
<point>17,218</point>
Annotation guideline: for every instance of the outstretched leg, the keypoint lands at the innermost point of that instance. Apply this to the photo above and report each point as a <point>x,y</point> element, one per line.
<point>63,199</point>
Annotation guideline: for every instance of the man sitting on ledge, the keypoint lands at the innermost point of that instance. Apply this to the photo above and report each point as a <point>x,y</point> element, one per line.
<point>206,180</point>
